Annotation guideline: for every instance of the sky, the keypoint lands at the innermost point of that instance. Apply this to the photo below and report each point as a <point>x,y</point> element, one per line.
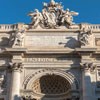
<point>15,11</point>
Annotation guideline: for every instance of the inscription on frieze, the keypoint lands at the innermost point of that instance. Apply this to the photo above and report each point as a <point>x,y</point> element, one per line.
<point>49,60</point>
<point>44,60</point>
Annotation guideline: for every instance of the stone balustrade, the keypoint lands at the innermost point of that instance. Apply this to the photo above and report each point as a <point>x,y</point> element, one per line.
<point>91,26</point>
<point>94,27</point>
<point>8,27</point>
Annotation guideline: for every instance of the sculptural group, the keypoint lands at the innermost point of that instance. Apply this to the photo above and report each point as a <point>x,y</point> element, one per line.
<point>52,16</point>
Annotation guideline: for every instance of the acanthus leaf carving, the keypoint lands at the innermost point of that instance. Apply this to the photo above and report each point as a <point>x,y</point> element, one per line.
<point>89,67</point>
<point>18,66</point>
<point>52,16</point>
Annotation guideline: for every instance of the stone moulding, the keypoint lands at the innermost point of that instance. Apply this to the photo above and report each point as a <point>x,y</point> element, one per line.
<point>27,84</point>
<point>33,76</point>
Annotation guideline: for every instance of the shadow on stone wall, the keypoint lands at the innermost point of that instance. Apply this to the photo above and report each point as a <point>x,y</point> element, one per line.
<point>76,59</point>
<point>4,42</point>
<point>71,43</point>
<point>7,41</point>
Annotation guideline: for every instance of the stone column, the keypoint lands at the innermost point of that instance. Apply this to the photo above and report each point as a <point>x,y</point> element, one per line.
<point>15,81</point>
<point>87,69</point>
<point>8,83</point>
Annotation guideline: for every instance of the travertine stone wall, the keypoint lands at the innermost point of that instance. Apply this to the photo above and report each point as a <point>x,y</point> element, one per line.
<point>51,51</point>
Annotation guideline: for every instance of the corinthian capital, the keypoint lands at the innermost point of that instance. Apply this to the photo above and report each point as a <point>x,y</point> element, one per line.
<point>15,66</point>
<point>88,67</point>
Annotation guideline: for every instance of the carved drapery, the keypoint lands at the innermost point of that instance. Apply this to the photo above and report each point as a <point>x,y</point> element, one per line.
<point>85,36</point>
<point>52,16</point>
<point>17,38</point>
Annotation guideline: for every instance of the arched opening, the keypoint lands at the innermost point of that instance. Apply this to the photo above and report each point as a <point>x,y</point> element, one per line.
<point>52,87</point>
<point>47,84</point>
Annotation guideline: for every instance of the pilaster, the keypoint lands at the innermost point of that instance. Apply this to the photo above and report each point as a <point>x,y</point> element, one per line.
<point>88,69</point>
<point>15,81</point>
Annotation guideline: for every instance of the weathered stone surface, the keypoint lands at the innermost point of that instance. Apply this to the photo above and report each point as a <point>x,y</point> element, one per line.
<point>60,59</point>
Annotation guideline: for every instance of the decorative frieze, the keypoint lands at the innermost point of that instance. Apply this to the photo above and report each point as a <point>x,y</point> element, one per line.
<point>49,60</point>
<point>44,60</point>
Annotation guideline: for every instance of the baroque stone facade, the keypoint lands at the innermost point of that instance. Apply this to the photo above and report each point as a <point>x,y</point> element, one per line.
<point>52,58</point>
